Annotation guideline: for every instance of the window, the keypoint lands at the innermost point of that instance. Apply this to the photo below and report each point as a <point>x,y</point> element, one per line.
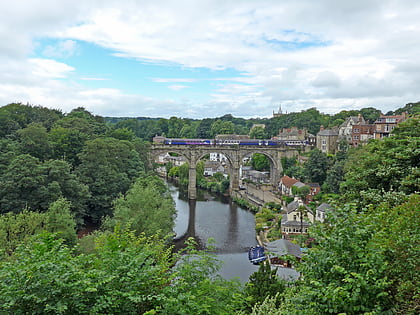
<point>387,128</point>
<point>355,138</point>
<point>356,130</point>
<point>324,141</point>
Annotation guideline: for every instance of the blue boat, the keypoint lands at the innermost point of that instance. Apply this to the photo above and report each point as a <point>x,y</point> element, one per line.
<point>256,254</point>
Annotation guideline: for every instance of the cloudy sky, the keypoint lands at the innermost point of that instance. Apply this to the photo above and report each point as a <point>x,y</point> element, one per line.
<point>207,58</point>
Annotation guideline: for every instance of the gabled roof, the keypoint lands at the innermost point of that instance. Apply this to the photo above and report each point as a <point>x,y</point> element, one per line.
<point>288,181</point>
<point>328,132</point>
<point>323,207</point>
<point>299,184</point>
<point>294,205</point>
<point>313,185</point>
<point>283,247</point>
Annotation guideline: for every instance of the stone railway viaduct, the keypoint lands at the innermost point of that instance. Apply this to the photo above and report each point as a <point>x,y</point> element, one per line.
<point>234,154</point>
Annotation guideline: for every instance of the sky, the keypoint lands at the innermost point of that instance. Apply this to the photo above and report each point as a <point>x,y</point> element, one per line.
<point>199,58</point>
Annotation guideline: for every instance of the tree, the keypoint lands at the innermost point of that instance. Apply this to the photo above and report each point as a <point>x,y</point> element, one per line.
<point>345,272</point>
<point>258,133</point>
<point>335,176</point>
<point>220,127</point>
<point>385,167</point>
<point>34,141</point>
<point>316,167</point>
<point>199,170</point>
<point>58,174</point>
<point>147,208</point>
<point>260,162</point>
<point>60,220</point>
<point>18,228</point>
<point>108,166</point>
<point>196,288</point>
<point>397,236</point>
<point>204,129</point>
<point>262,284</point>
<point>124,275</point>
<point>23,185</point>
<point>174,127</point>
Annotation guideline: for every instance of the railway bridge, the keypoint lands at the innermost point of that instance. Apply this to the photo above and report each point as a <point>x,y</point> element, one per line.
<point>234,154</point>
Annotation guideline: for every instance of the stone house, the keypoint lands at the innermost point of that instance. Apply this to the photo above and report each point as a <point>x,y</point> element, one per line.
<point>213,167</point>
<point>346,128</point>
<point>294,221</point>
<point>321,211</point>
<point>327,140</point>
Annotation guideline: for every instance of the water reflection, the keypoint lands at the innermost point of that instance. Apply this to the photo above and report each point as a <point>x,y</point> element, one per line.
<point>216,217</point>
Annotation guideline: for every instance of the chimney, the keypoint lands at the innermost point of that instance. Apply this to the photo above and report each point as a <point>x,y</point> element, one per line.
<point>321,128</point>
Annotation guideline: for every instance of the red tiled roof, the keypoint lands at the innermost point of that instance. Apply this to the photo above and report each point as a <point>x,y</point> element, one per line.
<point>288,181</point>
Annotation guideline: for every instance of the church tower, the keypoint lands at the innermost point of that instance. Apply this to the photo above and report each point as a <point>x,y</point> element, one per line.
<point>279,113</point>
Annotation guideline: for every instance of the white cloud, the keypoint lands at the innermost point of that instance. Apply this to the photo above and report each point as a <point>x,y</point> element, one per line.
<point>63,49</point>
<point>330,54</point>
<point>177,87</point>
<point>49,68</point>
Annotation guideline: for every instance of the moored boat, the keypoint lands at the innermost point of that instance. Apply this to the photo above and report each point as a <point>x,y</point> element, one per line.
<point>256,254</point>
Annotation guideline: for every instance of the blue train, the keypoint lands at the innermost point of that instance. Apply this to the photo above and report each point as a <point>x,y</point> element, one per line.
<point>227,142</point>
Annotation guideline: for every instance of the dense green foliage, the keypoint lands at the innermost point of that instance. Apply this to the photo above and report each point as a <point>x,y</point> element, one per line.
<point>386,168</point>
<point>46,155</point>
<point>58,170</point>
<point>146,208</point>
<point>260,162</point>
<point>18,228</point>
<point>262,284</point>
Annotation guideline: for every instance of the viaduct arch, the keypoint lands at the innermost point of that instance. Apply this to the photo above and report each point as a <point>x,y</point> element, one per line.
<point>234,155</point>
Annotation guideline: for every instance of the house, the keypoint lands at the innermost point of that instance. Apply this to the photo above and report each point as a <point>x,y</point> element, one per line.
<point>321,210</point>
<point>158,139</point>
<point>346,128</point>
<point>175,160</point>
<point>385,124</point>
<point>293,133</point>
<point>285,185</point>
<point>213,167</point>
<point>296,221</point>
<point>256,176</point>
<point>327,140</point>
<point>315,189</point>
<point>217,157</point>
<point>361,134</point>
<point>280,248</point>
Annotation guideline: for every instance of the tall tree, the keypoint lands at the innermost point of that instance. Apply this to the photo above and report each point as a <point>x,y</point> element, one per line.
<point>260,162</point>
<point>386,166</point>
<point>263,283</point>
<point>258,133</point>
<point>146,208</point>
<point>108,166</point>
<point>34,141</point>
<point>316,167</point>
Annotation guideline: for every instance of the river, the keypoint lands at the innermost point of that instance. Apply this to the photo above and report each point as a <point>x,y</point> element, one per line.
<point>217,217</point>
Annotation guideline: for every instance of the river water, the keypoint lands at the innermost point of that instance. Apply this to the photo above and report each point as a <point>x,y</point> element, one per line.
<point>216,217</point>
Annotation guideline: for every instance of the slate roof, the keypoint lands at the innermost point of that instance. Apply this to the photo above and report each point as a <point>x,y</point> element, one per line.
<point>294,205</point>
<point>299,184</point>
<point>328,132</point>
<point>283,247</point>
<point>323,207</point>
